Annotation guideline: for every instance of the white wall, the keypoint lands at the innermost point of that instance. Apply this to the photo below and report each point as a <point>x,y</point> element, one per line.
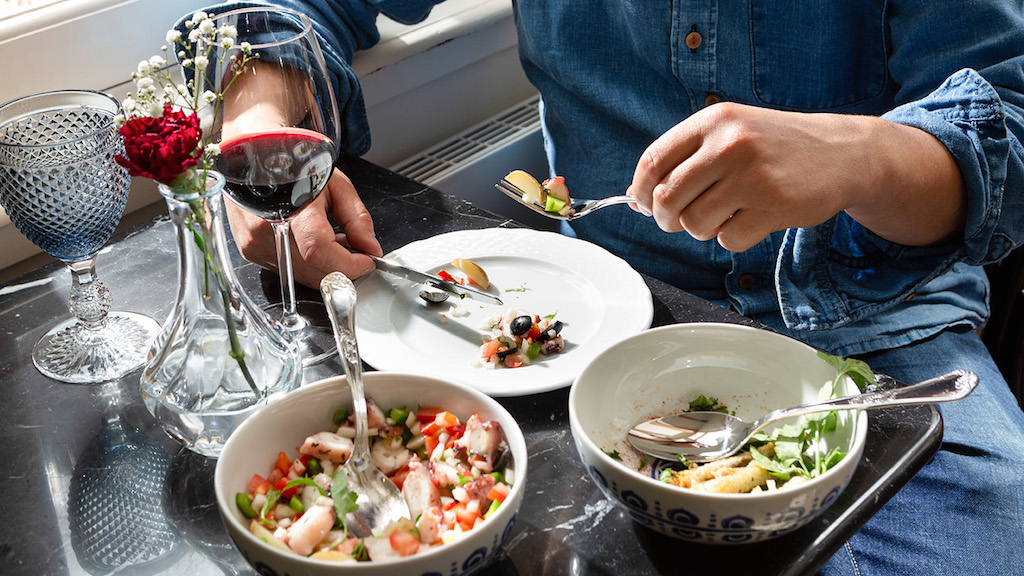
<point>422,84</point>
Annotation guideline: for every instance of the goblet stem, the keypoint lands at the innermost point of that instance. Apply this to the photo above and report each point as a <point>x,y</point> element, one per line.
<point>89,300</point>
<point>282,236</point>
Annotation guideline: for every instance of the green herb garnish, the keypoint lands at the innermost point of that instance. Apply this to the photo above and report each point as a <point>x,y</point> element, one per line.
<point>344,500</point>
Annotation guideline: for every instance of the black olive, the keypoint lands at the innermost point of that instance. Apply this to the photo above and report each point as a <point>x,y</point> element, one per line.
<point>501,355</point>
<point>520,325</point>
<point>550,332</point>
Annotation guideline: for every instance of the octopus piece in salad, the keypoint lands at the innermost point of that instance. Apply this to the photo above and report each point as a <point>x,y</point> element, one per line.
<point>516,338</point>
<point>451,473</point>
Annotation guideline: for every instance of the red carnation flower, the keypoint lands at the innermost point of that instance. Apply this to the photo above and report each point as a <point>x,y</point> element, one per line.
<point>161,148</point>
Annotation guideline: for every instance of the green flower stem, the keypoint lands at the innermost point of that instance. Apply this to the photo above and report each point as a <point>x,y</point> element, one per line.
<point>211,266</point>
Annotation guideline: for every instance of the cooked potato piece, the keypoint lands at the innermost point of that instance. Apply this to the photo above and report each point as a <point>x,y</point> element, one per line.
<point>732,474</point>
<point>474,271</point>
<point>736,480</point>
<point>532,190</point>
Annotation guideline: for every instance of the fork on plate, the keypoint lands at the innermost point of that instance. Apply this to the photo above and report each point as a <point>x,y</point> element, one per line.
<point>578,209</point>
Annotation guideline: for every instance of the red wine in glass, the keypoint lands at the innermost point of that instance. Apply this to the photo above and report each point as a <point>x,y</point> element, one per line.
<point>274,174</point>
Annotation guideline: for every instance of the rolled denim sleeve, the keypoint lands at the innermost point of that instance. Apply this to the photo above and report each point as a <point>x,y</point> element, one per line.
<point>342,28</point>
<point>839,272</point>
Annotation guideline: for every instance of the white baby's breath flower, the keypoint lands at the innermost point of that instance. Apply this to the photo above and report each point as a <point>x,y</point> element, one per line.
<point>246,48</point>
<point>193,35</point>
<point>209,96</point>
<point>212,150</point>
<point>144,84</point>
<point>199,16</point>
<point>227,43</point>
<point>155,109</point>
<point>227,32</point>
<point>143,69</point>
<point>187,62</point>
<point>173,36</point>
<point>201,62</point>
<point>157,62</point>
<point>207,27</point>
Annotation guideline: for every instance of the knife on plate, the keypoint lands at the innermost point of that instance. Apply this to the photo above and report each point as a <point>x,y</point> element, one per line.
<point>459,290</point>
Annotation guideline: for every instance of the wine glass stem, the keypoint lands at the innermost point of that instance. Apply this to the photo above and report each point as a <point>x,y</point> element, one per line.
<point>282,236</point>
<point>89,299</point>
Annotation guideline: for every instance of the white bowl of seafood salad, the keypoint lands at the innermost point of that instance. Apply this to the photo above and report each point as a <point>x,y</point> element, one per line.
<point>744,370</point>
<point>463,534</point>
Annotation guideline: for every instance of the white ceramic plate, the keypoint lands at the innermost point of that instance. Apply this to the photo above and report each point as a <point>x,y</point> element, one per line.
<point>598,296</point>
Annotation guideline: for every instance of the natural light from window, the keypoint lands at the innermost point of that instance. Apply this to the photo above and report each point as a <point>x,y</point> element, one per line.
<point>10,7</point>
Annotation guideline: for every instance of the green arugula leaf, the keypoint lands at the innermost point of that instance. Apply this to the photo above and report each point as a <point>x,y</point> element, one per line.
<point>344,500</point>
<point>303,481</point>
<point>272,497</point>
<point>706,404</point>
<point>857,370</point>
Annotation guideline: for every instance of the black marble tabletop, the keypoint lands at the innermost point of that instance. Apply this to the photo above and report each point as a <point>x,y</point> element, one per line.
<point>90,485</point>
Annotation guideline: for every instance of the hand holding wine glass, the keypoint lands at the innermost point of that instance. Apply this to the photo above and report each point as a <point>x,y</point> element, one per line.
<point>279,140</point>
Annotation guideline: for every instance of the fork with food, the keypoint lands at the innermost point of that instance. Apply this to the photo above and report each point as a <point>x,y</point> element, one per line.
<point>552,198</point>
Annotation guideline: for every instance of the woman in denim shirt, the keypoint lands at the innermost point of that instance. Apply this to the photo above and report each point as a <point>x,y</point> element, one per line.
<point>839,171</point>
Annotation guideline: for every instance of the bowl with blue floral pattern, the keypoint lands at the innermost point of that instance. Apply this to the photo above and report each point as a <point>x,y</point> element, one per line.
<point>743,370</point>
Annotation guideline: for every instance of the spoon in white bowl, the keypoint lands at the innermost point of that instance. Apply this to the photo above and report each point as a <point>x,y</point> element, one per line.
<point>380,501</point>
<point>704,436</point>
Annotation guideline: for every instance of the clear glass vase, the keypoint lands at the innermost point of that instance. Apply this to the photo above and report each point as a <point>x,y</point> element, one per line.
<point>218,357</point>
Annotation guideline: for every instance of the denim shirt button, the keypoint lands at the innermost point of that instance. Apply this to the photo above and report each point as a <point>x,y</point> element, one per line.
<point>746,281</point>
<point>693,40</point>
<point>712,99</point>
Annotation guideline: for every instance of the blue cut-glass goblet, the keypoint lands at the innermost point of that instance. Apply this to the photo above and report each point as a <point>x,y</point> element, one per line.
<point>63,190</point>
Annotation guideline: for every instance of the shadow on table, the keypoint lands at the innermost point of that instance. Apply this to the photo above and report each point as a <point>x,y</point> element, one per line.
<point>190,503</point>
<point>114,491</point>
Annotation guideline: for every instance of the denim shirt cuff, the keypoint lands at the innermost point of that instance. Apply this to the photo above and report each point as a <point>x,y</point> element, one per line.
<point>839,272</point>
<point>355,128</point>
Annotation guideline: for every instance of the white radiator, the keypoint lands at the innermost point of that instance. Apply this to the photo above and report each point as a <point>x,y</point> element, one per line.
<point>468,164</point>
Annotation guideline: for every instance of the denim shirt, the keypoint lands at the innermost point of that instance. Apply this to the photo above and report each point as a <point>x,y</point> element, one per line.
<point>616,74</point>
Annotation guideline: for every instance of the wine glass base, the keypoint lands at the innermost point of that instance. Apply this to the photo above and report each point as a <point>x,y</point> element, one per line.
<point>74,353</point>
<point>313,332</point>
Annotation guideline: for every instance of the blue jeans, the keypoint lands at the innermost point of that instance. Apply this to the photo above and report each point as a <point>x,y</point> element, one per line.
<point>963,513</point>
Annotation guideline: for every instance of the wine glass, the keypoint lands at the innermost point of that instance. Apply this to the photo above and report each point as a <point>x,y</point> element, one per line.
<point>278,141</point>
<point>63,190</point>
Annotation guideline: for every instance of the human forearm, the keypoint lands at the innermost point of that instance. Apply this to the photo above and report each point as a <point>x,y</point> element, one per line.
<point>916,195</point>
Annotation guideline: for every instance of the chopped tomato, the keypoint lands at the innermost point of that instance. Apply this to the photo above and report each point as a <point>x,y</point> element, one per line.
<point>446,276</point>
<point>274,476</point>
<point>533,332</point>
<point>456,432</point>
<point>499,492</point>
<point>430,429</point>
<point>490,348</point>
<point>255,483</point>
<point>464,517</point>
<point>446,419</point>
<point>427,414</point>
<point>404,543</point>
<point>284,463</point>
<point>430,442</point>
<point>399,477</point>
<point>285,494</point>
<point>348,545</point>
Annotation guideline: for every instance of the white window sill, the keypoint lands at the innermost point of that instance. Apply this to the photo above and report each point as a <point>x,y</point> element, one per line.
<point>96,44</point>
